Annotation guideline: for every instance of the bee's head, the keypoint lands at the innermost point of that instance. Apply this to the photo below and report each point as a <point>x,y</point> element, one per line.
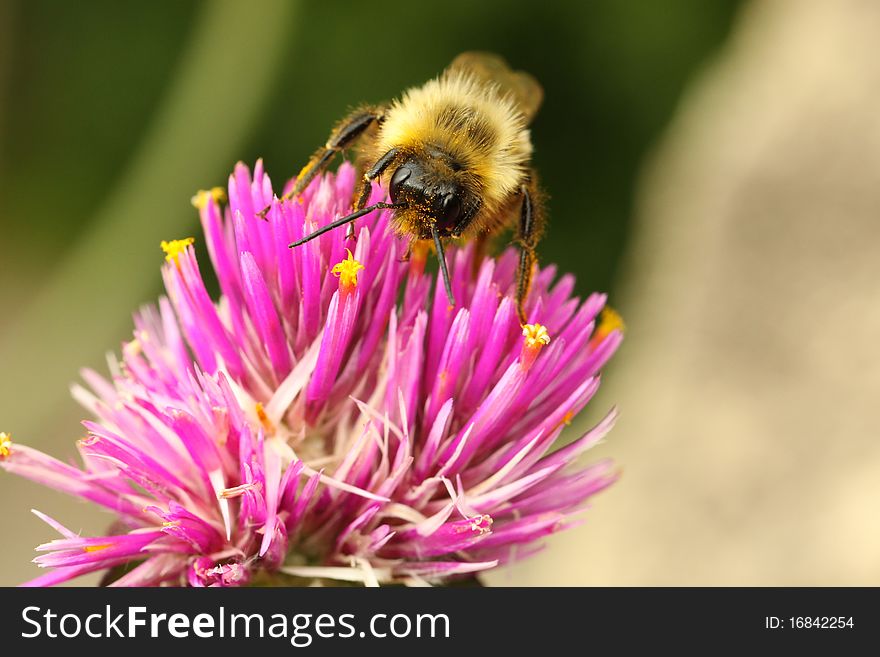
<point>429,185</point>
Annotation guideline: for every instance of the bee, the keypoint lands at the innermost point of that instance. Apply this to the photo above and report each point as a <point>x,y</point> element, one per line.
<point>456,154</point>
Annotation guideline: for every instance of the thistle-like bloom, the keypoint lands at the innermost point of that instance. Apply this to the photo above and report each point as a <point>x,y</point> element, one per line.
<point>331,416</point>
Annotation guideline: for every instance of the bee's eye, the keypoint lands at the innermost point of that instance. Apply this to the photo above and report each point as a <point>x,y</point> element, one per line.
<point>400,176</point>
<point>449,212</point>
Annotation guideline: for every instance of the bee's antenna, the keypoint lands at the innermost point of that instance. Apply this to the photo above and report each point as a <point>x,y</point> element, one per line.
<point>442,258</point>
<point>346,219</point>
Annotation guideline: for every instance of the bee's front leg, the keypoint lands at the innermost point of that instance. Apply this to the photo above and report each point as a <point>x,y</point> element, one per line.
<point>345,134</point>
<point>367,179</point>
<point>531,224</point>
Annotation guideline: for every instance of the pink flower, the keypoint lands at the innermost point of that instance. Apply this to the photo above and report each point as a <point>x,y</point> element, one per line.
<point>331,416</point>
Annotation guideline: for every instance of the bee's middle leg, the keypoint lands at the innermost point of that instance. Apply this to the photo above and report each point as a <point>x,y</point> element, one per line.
<point>367,178</point>
<point>531,223</point>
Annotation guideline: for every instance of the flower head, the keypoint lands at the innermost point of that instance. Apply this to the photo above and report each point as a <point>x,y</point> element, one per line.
<point>358,428</point>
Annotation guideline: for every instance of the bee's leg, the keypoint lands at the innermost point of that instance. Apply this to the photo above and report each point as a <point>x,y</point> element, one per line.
<point>344,135</point>
<point>367,183</point>
<point>346,132</point>
<point>531,223</point>
<point>356,196</point>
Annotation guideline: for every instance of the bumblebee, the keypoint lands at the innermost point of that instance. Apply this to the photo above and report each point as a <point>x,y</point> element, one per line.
<point>456,154</point>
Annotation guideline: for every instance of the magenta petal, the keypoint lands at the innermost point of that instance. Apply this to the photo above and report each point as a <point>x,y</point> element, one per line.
<point>449,537</point>
<point>337,333</point>
<point>67,552</point>
<point>265,318</point>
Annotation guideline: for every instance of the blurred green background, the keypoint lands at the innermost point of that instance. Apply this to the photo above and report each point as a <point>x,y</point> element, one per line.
<point>112,114</point>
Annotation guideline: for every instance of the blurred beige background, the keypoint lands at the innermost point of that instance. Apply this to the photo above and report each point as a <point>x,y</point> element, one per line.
<point>749,383</point>
<point>749,438</point>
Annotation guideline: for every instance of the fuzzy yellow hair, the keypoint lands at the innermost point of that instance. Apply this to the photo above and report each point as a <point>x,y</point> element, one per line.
<point>473,122</point>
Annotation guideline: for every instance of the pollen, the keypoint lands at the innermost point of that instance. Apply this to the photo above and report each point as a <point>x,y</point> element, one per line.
<point>609,321</point>
<point>96,548</point>
<point>536,337</point>
<point>566,420</point>
<point>268,427</point>
<point>201,197</point>
<point>347,272</point>
<point>5,444</point>
<point>174,248</point>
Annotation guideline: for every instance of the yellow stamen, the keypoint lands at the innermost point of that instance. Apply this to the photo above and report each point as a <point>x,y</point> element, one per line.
<point>268,427</point>
<point>347,272</point>
<point>174,248</point>
<point>609,320</point>
<point>536,335</point>
<point>5,444</point>
<point>97,548</point>
<point>201,197</point>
